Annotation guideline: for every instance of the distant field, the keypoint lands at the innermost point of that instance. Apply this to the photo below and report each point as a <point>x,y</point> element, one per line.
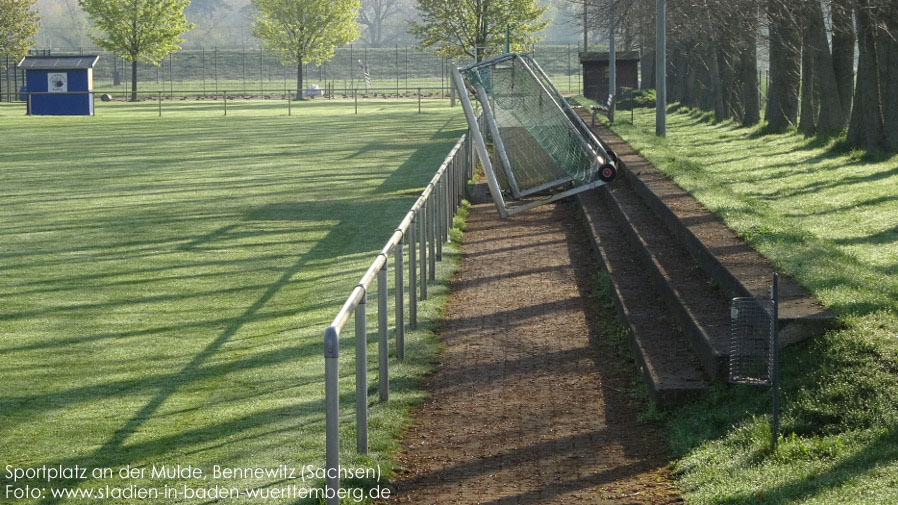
<point>165,282</point>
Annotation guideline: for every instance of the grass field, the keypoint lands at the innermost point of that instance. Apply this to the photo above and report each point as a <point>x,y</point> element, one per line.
<point>828,216</point>
<point>165,283</point>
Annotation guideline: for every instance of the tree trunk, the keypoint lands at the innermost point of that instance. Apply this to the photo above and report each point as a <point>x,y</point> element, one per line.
<point>133,77</point>
<point>785,67</point>
<point>843,40</point>
<point>299,93</point>
<point>751,102</point>
<point>807,120</point>
<point>889,86</point>
<point>829,116</point>
<point>866,126</point>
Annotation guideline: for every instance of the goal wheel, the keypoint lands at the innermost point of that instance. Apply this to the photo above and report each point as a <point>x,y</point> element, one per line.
<point>607,172</point>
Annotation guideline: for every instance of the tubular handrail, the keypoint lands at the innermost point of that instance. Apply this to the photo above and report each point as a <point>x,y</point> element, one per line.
<point>361,288</point>
<point>436,207</point>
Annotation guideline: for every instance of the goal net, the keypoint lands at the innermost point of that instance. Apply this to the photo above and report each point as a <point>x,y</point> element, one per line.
<point>539,144</point>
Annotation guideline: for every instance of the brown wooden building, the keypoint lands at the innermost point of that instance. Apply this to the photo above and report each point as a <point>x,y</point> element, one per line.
<point>595,73</point>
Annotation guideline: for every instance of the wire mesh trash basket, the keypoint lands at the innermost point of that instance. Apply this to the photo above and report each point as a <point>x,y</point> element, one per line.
<point>754,346</point>
<point>751,341</point>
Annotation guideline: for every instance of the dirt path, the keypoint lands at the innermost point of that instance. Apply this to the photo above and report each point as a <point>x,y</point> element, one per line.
<point>531,403</point>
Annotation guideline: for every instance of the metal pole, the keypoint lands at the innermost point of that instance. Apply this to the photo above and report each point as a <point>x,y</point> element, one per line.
<point>332,420</point>
<point>400,304</point>
<point>439,218</point>
<point>432,237</point>
<point>419,100</point>
<point>356,98</point>
<point>361,378</point>
<point>422,222</point>
<point>226,102</point>
<point>28,97</point>
<point>383,372</point>
<point>661,68</point>
<point>289,105</point>
<point>585,28</point>
<point>160,103</point>
<point>612,57</point>
<point>775,379</point>
<point>412,275</point>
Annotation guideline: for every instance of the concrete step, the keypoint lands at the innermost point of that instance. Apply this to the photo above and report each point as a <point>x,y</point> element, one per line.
<point>671,369</point>
<point>730,263</point>
<point>700,310</point>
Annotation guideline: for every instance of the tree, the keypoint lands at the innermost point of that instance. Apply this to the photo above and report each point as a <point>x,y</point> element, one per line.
<point>302,31</point>
<point>18,24</point>
<point>477,27</point>
<point>141,30</point>
<point>374,15</point>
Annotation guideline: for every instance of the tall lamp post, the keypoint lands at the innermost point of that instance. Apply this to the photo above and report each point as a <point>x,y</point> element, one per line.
<point>661,68</point>
<point>612,56</point>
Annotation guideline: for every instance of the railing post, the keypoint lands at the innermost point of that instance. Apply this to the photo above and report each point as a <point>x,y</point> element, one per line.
<point>423,244</point>
<point>412,274</point>
<point>440,217</point>
<point>444,203</point>
<point>361,377</point>
<point>400,303</point>
<point>383,372</point>
<point>431,238</point>
<point>332,417</point>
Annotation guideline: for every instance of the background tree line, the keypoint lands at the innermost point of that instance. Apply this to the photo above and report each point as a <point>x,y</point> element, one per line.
<point>816,51</point>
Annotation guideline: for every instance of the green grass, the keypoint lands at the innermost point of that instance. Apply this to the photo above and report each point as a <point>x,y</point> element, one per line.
<point>829,217</point>
<point>165,282</point>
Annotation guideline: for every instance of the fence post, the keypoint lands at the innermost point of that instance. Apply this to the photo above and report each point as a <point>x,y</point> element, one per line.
<point>400,303</point>
<point>439,217</point>
<point>226,102</point>
<point>432,236</point>
<point>361,377</point>
<point>423,244</point>
<point>355,97</point>
<point>332,418</point>
<point>412,274</point>
<point>419,100</point>
<point>160,103</point>
<point>383,372</point>
<point>289,105</point>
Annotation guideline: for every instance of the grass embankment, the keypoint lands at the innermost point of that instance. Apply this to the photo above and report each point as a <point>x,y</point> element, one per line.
<point>166,283</point>
<point>829,217</point>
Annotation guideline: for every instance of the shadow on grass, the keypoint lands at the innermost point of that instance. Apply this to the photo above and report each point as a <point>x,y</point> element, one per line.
<point>353,235</point>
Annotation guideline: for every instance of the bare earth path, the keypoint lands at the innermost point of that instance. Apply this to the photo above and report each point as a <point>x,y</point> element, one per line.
<point>531,402</point>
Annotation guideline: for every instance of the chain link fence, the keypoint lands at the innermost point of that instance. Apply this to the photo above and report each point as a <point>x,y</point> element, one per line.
<point>391,71</point>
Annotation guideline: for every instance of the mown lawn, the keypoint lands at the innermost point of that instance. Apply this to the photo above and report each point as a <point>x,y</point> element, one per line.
<point>165,282</point>
<point>828,216</point>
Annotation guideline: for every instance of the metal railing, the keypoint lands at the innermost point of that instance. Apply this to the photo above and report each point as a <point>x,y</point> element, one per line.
<point>424,230</point>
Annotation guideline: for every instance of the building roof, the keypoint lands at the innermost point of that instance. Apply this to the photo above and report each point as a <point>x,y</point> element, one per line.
<point>603,56</point>
<point>58,62</point>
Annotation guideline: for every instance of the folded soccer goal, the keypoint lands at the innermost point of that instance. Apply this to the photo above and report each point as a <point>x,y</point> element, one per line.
<point>540,150</point>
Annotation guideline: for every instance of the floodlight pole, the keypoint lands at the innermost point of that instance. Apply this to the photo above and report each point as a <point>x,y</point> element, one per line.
<point>661,68</point>
<point>612,57</point>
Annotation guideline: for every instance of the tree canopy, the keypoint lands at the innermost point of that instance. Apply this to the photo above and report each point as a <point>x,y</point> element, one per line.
<point>19,22</point>
<point>304,31</point>
<point>476,28</point>
<point>140,30</point>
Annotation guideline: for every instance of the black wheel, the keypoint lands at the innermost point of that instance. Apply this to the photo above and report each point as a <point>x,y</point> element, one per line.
<point>607,172</point>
